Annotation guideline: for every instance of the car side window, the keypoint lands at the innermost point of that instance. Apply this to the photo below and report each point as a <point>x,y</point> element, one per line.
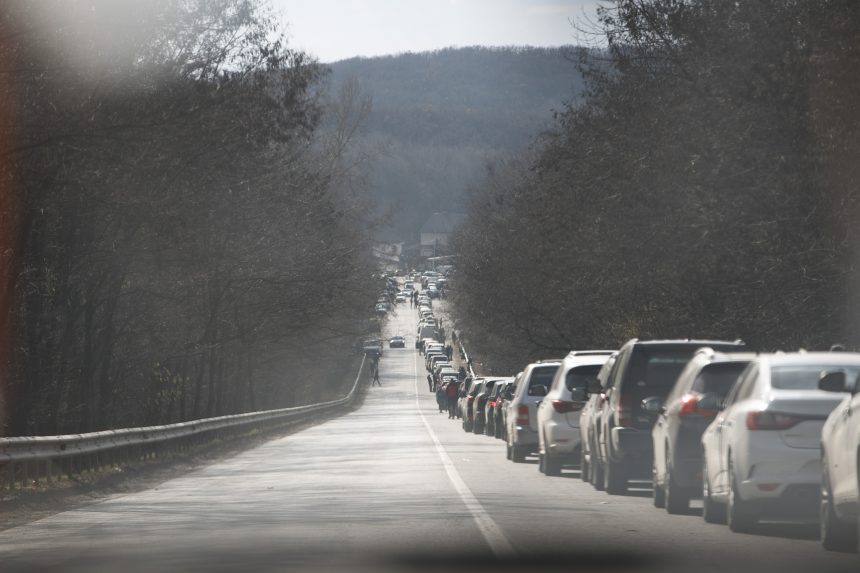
<point>743,389</point>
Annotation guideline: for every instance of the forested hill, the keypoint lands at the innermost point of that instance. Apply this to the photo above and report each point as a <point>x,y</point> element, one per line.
<point>439,118</point>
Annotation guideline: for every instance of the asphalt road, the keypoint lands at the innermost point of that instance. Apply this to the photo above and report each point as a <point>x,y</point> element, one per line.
<point>394,486</point>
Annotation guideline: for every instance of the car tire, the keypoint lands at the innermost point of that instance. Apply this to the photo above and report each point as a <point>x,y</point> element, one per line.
<point>739,516</point>
<point>508,448</point>
<point>615,479</point>
<point>551,465</point>
<point>467,425</point>
<point>584,466</point>
<point>712,512</point>
<point>597,477</point>
<point>518,455</point>
<point>677,500</point>
<point>836,535</point>
<point>658,494</point>
<point>541,463</point>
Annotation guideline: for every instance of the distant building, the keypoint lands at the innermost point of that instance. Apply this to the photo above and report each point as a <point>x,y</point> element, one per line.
<point>436,232</point>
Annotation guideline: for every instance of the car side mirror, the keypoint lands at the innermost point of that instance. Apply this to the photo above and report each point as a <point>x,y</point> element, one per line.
<point>710,402</point>
<point>539,390</point>
<point>833,381</point>
<point>652,406</point>
<point>579,395</point>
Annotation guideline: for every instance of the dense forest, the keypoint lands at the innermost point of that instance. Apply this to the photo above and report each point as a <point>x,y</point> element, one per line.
<point>439,120</point>
<point>705,186</point>
<point>170,206</point>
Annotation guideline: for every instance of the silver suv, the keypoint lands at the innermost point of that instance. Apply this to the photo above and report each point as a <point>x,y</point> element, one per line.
<point>521,410</point>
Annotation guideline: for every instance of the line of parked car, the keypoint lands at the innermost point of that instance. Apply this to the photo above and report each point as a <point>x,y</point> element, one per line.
<point>755,436</point>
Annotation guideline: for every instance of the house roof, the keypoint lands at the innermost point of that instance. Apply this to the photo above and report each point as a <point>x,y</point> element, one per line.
<point>440,223</point>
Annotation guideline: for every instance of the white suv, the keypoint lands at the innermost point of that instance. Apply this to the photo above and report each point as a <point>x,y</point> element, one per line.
<point>840,443</point>
<point>761,452</point>
<point>521,410</point>
<point>559,439</point>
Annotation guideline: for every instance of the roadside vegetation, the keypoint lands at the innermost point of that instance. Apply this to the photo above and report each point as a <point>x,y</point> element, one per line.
<point>180,235</point>
<point>705,186</point>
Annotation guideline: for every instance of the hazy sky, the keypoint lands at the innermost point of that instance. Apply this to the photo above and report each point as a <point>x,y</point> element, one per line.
<point>337,29</point>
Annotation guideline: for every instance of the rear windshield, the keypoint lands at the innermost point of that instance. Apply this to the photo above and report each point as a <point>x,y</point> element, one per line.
<point>542,376</point>
<point>655,370</point>
<point>582,376</point>
<point>718,378</point>
<point>805,377</point>
<point>476,388</point>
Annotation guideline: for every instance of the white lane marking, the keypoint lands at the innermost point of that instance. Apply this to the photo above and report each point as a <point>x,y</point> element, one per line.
<point>491,531</point>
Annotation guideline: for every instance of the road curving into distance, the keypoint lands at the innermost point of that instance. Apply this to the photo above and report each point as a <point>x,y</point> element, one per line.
<point>394,486</point>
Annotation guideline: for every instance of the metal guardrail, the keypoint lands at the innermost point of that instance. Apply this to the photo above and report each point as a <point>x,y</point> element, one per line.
<point>29,460</point>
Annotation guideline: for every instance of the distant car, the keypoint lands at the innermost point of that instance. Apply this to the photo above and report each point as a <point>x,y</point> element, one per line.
<point>521,409</point>
<point>397,342</point>
<point>492,407</point>
<point>840,462</point>
<point>372,347</point>
<point>559,438</point>
<point>763,451</point>
<point>589,426</point>
<point>382,308</point>
<point>683,418</point>
<point>467,403</point>
<point>401,297</point>
<point>479,410</point>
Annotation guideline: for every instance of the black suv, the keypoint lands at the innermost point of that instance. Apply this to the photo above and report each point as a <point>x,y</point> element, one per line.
<point>642,370</point>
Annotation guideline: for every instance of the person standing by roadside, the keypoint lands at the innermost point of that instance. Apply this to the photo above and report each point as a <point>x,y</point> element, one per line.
<point>374,374</point>
<point>451,390</point>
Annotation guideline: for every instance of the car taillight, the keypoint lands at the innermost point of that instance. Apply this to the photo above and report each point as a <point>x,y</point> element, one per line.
<point>690,406</point>
<point>523,416</point>
<point>563,406</point>
<point>764,420</point>
<point>492,404</point>
<point>623,413</point>
<point>470,399</point>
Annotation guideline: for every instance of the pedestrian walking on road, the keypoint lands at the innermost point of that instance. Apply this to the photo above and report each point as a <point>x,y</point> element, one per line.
<point>374,373</point>
<point>449,351</point>
<point>430,382</point>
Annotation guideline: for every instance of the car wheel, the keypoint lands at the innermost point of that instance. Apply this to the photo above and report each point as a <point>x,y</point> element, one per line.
<point>551,465</point>
<point>677,500</point>
<point>658,494</point>
<point>739,517</point>
<point>467,425</point>
<point>584,466</point>
<point>712,512</point>
<point>836,535</point>
<point>541,463</point>
<point>615,478</point>
<point>597,477</point>
<point>518,454</point>
<point>508,451</point>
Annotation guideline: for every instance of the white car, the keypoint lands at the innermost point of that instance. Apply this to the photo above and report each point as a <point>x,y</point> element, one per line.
<point>559,439</point>
<point>840,443</point>
<point>761,452</point>
<point>521,410</point>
